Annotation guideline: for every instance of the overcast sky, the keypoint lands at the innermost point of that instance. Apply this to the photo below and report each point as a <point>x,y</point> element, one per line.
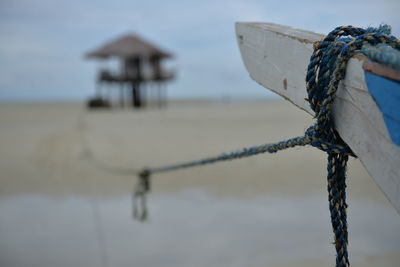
<point>43,41</point>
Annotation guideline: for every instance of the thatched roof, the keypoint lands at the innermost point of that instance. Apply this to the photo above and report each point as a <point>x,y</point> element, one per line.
<point>128,46</point>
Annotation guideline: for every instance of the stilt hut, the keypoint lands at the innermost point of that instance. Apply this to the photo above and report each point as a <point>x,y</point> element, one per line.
<point>141,69</point>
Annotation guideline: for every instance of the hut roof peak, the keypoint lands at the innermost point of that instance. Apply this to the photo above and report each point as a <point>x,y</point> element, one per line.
<point>128,46</point>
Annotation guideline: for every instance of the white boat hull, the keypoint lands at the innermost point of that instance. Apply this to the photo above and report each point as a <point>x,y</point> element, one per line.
<point>277,58</point>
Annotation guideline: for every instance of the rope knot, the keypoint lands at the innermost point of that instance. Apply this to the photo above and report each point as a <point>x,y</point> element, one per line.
<point>144,179</point>
<point>141,188</point>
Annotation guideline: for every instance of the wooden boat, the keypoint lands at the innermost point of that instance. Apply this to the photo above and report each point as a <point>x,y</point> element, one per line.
<point>366,110</point>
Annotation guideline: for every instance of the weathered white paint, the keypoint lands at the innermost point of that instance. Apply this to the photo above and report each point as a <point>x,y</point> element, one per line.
<point>277,57</point>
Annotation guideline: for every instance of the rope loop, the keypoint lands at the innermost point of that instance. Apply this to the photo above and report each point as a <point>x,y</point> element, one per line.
<point>326,69</point>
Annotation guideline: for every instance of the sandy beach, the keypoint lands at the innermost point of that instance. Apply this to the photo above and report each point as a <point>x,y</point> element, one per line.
<point>67,175</point>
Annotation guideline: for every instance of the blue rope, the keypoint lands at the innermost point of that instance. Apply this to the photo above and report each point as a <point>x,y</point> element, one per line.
<point>254,150</point>
<point>326,69</point>
<point>383,54</point>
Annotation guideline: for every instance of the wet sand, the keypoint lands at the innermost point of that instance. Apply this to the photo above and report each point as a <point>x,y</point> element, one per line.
<point>67,177</point>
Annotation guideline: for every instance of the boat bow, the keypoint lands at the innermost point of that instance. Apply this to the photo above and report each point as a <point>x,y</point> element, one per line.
<point>277,57</point>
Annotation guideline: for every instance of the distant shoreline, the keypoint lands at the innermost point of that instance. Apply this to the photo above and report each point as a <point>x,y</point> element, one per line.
<point>172,101</point>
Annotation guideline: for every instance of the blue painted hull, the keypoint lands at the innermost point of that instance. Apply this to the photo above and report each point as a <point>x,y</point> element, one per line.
<point>386,94</point>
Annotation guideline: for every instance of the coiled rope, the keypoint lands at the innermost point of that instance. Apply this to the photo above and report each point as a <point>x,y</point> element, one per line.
<point>326,69</point>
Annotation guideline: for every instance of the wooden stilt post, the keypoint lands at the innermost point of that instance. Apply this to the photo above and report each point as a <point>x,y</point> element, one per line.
<point>109,97</point>
<point>98,89</point>
<point>136,101</point>
<point>121,94</point>
<point>152,94</point>
<point>143,91</point>
<point>159,95</point>
<point>164,95</point>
